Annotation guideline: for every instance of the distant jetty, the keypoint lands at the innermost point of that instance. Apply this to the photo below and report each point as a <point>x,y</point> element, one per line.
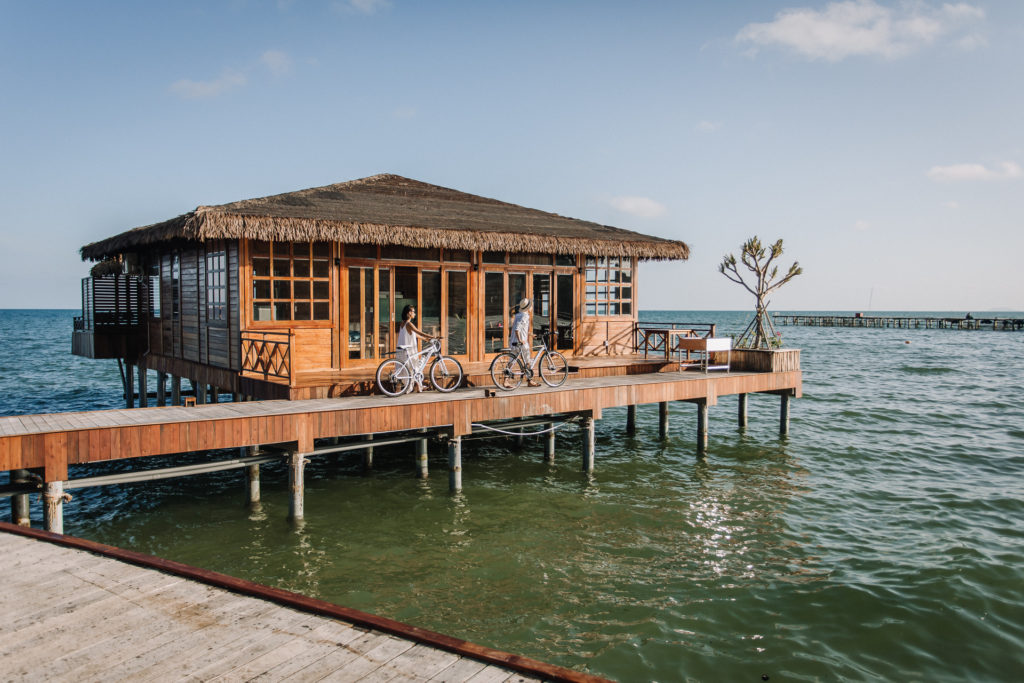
<point>967,322</point>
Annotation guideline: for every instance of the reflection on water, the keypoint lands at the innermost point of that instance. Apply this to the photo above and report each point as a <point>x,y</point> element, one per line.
<point>880,540</point>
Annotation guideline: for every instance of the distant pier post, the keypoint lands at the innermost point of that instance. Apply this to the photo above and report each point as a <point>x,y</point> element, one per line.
<point>588,443</point>
<point>53,507</point>
<point>549,443</point>
<point>129,385</point>
<point>784,414</point>
<point>631,420</point>
<point>421,456</point>
<point>663,419</point>
<point>175,390</point>
<point>702,425</point>
<point>161,389</point>
<point>20,502</point>
<point>455,463</point>
<point>296,485</point>
<point>742,412</point>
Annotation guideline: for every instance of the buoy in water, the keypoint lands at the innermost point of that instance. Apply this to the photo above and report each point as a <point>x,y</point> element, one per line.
<point>907,341</point>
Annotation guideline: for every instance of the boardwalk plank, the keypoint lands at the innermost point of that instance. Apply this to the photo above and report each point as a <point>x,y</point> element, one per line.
<point>386,650</point>
<point>460,671</point>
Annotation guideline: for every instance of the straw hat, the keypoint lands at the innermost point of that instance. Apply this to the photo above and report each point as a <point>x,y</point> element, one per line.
<point>525,304</point>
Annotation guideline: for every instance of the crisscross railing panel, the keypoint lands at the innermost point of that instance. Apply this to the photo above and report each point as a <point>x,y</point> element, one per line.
<point>268,354</point>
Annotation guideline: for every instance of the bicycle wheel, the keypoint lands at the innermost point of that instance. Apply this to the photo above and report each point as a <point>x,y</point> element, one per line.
<point>506,372</point>
<point>446,374</point>
<point>553,369</point>
<point>393,378</point>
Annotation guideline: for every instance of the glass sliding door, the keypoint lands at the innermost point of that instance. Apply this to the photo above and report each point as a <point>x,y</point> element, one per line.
<point>565,306</point>
<point>360,313</point>
<point>542,308</point>
<point>430,308</point>
<point>456,317</point>
<point>494,312</point>
<point>406,292</point>
<point>385,341</point>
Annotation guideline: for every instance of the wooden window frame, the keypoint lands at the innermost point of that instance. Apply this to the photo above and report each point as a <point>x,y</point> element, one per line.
<point>310,279</point>
<point>603,283</point>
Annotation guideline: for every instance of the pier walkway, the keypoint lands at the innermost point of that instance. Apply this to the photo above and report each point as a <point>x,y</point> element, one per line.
<point>74,610</point>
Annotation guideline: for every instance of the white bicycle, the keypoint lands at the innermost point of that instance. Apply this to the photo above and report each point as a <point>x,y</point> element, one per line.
<point>396,377</point>
<point>508,369</point>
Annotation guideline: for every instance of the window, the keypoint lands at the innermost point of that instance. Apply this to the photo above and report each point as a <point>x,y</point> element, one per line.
<point>291,281</point>
<point>609,285</point>
<point>175,286</point>
<point>216,282</point>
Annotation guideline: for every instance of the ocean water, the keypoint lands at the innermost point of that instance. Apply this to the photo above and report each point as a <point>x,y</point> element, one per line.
<point>883,539</point>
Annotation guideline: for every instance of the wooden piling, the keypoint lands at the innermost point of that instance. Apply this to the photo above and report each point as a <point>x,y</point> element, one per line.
<point>143,387</point>
<point>663,419</point>
<point>421,457</point>
<point>742,416</point>
<point>702,425</point>
<point>368,454</point>
<point>455,463</point>
<point>129,385</point>
<point>549,443</point>
<point>588,444</point>
<point>631,420</point>
<point>296,485</point>
<point>161,389</point>
<point>175,390</point>
<point>784,414</point>
<point>20,502</point>
<point>252,477</point>
<point>53,507</point>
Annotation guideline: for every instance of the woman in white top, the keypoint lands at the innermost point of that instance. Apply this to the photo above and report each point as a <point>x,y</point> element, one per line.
<point>407,343</point>
<point>520,336</point>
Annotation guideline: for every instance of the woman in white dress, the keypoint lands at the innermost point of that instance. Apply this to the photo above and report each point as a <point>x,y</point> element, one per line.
<point>408,343</point>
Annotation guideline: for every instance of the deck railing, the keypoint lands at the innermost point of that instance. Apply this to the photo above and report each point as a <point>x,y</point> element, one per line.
<point>268,354</point>
<point>113,301</point>
<point>656,336</point>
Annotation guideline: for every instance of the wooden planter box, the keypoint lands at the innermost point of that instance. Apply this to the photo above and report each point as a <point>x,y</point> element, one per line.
<point>766,360</point>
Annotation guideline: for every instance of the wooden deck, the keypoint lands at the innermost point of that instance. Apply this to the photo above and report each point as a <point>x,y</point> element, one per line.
<point>55,441</point>
<point>74,610</point>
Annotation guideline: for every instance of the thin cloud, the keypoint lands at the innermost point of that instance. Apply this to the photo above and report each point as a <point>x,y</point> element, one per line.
<point>190,89</point>
<point>643,207</point>
<point>362,6</point>
<point>861,226</point>
<point>1007,170</point>
<point>708,126</point>
<point>863,28</point>
<point>278,62</point>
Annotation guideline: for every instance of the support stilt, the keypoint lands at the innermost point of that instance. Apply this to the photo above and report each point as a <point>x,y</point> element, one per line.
<point>200,389</point>
<point>161,389</point>
<point>20,502</point>
<point>252,478</point>
<point>368,454</point>
<point>663,419</point>
<point>53,507</point>
<point>175,390</point>
<point>702,425</point>
<point>630,420</point>
<point>455,463</point>
<point>143,387</point>
<point>742,412</point>
<point>421,457</point>
<point>784,415</point>
<point>296,485</point>
<point>549,443</point>
<point>588,444</point>
<point>129,385</point>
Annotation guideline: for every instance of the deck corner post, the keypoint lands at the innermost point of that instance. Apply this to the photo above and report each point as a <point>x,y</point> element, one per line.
<point>631,420</point>
<point>702,425</point>
<point>53,507</point>
<point>741,416</point>
<point>455,463</point>
<point>588,442</point>
<point>421,456</point>
<point>663,419</point>
<point>20,514</point>
<point>296,485</point>
<point>549,443</point>
<point>784,414</point>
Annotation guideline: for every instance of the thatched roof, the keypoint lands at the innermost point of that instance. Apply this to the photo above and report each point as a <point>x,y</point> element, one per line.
<point>390,209</point>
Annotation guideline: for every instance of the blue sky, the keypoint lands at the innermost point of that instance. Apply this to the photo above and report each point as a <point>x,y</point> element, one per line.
<point>881,140</point>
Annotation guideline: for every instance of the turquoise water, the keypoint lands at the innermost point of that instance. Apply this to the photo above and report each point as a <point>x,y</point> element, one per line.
<point>883,539</point>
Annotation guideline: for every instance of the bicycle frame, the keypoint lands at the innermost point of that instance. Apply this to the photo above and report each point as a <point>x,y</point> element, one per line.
<point>416,362</point>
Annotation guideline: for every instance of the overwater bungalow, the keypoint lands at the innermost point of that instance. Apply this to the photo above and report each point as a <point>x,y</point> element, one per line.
<point>298,295</point>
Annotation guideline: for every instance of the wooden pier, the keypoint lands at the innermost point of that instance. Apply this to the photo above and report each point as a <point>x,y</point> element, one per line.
<point>929,323</point>
<point>75,610</point>
<point>39,449</point>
